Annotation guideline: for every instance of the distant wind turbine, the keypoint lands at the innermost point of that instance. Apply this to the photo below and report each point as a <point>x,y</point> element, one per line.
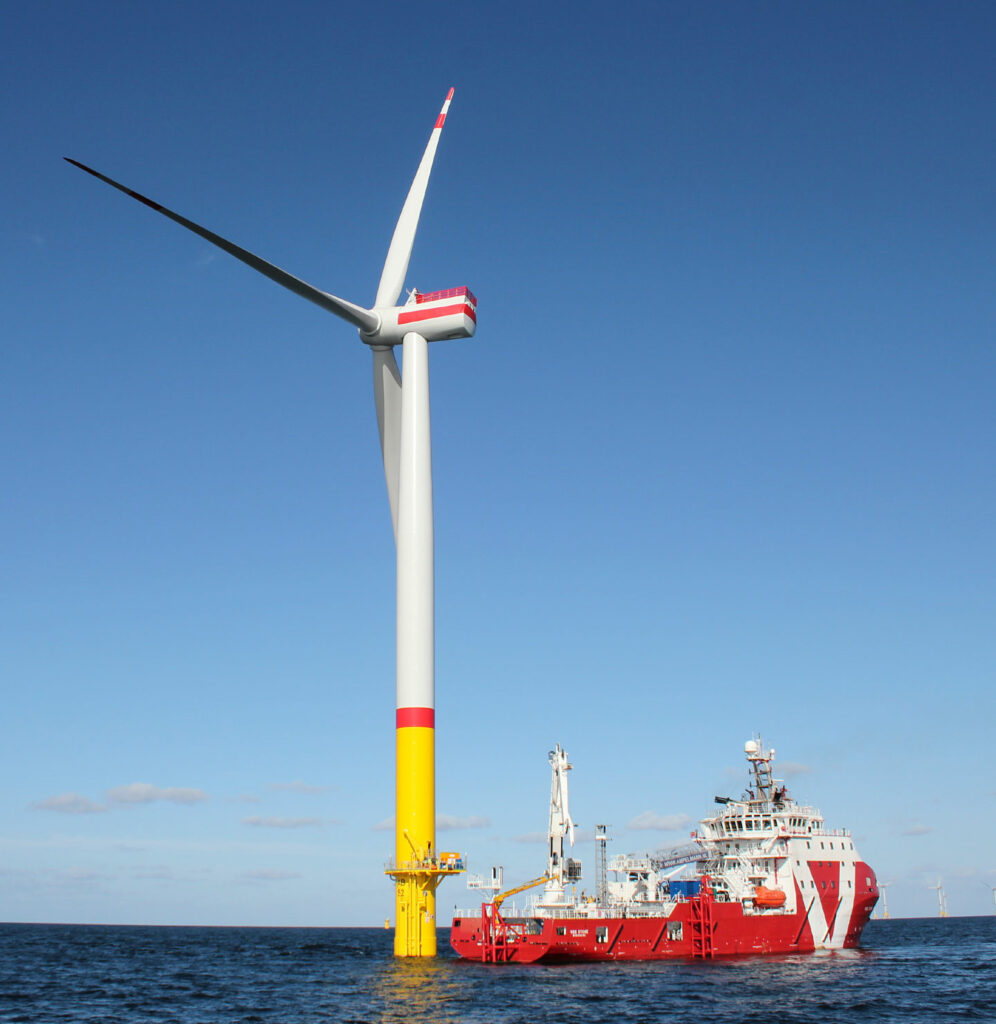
<point>942,899</point>
<point>993,888</point>
<point>402,403</point>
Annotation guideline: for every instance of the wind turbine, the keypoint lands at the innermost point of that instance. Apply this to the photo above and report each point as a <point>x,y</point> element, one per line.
<point>882,886</point>
<point>993,889</point>
<point>402,403</point>
<point>942,899</point>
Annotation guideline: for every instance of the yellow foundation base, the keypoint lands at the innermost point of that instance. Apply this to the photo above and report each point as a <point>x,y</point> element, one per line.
<point>415,928</point>
<point>418,867</point>
<point>415,904</point>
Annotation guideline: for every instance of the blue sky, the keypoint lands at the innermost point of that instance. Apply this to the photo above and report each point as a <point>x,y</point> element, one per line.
<point>719,459</point>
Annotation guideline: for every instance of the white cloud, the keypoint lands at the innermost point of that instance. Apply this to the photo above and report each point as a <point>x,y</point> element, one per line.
<point>917,830</point>
<point>69,803</point>
<point>78,876</point>
<point>146,793</point>
<point>581,835</point>
<point>444,823</point>
<point>48,879</point>
<point>156,873</point>
<point>297,786</point>
<point>448,823</point>
<point>660,822</point>
<point>282,822</point>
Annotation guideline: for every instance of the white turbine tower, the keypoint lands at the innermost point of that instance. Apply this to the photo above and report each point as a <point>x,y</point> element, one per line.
<point>402,401</point>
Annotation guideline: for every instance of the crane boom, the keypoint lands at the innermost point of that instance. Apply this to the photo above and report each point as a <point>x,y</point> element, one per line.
<point>501,897</point>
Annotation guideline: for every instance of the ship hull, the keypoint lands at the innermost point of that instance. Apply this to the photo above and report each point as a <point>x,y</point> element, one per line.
<point>694,929</point>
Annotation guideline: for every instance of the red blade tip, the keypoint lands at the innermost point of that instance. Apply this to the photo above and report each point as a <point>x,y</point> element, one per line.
<point>449,95</point>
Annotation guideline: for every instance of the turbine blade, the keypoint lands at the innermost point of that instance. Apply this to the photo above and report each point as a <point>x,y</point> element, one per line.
<point>357,315</point>
<point>392,278</point>
<point>387,398</point>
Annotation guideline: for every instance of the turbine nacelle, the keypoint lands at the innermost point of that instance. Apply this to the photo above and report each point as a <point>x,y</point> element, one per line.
<point>437,316</point>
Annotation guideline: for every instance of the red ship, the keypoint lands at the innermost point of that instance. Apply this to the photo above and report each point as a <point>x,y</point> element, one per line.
<point>764,875</point>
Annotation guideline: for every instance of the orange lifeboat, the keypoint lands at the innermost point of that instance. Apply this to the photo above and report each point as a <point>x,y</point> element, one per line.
<point>768,897</point>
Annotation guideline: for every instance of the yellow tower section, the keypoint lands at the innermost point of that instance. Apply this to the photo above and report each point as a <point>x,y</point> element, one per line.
<point>418,866</point>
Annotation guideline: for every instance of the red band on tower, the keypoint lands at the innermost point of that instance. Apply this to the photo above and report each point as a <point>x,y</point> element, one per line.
<point>422,718</point>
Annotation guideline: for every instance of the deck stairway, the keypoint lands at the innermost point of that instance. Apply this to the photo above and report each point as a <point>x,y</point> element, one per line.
<point>701,923</point>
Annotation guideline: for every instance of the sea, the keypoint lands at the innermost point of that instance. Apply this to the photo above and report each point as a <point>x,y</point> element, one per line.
<point>908,970</point>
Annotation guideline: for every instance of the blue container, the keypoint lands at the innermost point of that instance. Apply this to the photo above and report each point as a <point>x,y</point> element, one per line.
<point>686,887</point>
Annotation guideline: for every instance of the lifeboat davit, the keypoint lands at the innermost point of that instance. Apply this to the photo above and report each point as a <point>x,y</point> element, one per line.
<point>764,897</point>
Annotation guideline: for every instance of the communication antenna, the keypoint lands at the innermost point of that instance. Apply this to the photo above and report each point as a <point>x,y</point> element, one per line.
<point>601,865</point>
